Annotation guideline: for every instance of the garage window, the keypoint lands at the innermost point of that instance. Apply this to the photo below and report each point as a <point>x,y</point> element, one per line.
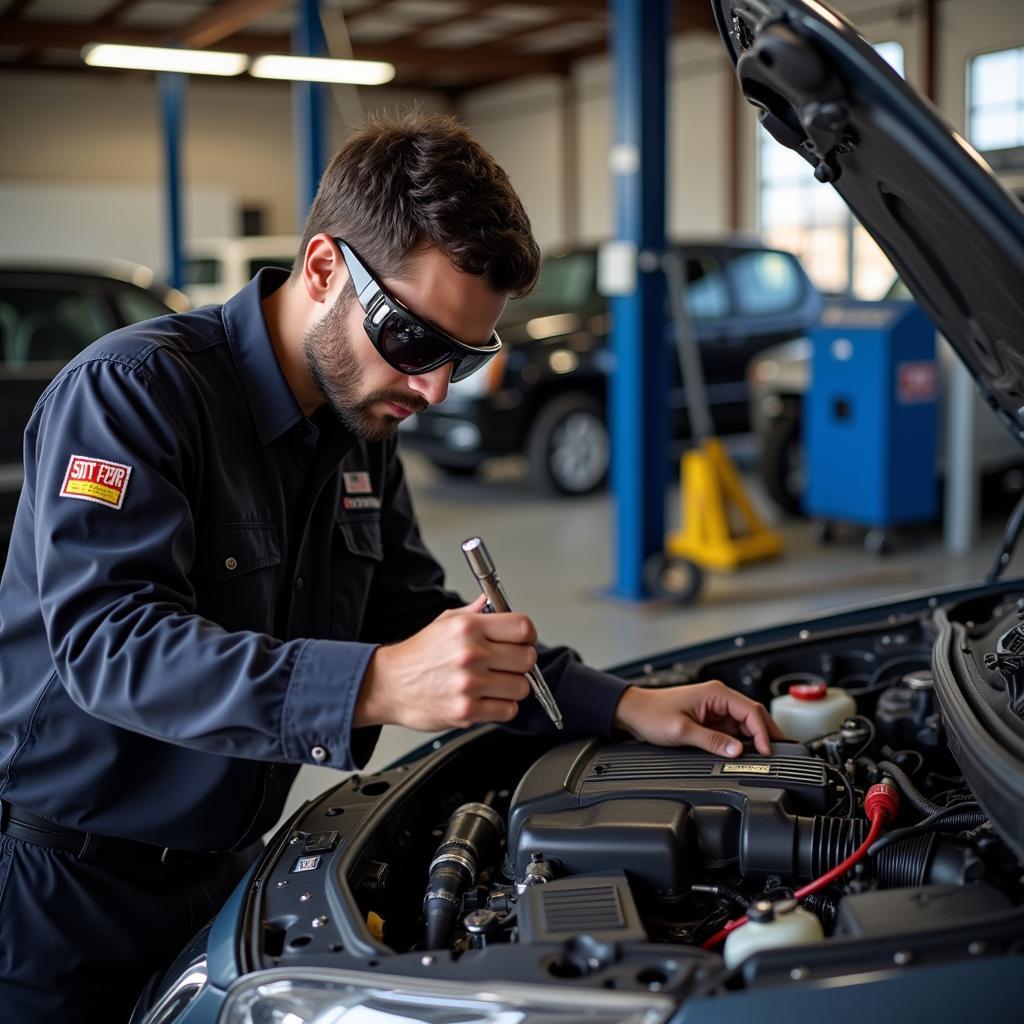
<point>995,88</point>
<point>798,213</point>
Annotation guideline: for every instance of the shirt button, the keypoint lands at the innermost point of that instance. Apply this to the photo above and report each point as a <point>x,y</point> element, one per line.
<point>231,562</point>
<point>299,582</point>
<point>319,754</point>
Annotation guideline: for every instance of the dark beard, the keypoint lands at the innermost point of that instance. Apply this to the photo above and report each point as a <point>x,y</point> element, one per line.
<point>330,361</point>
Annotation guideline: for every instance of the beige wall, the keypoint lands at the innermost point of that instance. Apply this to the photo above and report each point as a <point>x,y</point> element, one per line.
<point>700,94</point>
<point>68,136</point>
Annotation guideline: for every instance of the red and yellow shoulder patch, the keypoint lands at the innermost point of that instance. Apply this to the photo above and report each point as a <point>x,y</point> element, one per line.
<point>96,480</point>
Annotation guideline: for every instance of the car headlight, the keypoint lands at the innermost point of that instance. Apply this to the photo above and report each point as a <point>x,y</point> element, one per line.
<point>178,995</point>
<point>286,996</point>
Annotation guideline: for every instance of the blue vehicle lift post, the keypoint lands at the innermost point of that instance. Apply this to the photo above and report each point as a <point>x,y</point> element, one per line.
<point>309,101</point>
<point>171,89</point>
<point>638,388</point>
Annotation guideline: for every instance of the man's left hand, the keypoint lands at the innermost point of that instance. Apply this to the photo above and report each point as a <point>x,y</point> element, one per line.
<point>706,715</point>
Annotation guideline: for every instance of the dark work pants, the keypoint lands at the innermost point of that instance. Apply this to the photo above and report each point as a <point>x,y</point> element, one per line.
<point>79,940</point>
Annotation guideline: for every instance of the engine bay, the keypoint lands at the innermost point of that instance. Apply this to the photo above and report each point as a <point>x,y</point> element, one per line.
<point>626,865</point>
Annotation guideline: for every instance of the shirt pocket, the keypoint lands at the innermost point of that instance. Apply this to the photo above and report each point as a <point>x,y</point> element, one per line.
<point>358,552</point>
<point>235,574</point>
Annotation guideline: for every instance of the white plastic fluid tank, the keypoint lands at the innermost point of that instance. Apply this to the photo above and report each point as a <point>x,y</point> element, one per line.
<point>811,709</point>
<point>771,926</point>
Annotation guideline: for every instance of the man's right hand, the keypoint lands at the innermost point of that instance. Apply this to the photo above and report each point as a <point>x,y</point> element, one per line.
<point>466,667</point>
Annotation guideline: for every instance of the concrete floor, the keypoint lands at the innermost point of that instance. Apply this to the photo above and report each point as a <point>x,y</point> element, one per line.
<point>555,560</point>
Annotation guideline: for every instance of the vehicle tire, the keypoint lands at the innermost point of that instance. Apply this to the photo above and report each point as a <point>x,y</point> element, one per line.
<point>782,464</point>
<point>673,579</point>
<point>568,450</point>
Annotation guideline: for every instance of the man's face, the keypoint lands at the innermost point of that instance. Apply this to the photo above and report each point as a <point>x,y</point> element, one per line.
<point>370,396</point>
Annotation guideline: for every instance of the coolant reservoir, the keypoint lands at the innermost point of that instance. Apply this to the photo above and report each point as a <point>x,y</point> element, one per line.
<point>811,709</point>
<point>771,926</point>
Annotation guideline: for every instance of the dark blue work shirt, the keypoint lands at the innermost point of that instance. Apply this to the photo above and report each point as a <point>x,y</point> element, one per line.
<point>197,578</point>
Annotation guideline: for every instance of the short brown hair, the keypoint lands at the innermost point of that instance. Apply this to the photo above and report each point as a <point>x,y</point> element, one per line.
<point>402,182</point>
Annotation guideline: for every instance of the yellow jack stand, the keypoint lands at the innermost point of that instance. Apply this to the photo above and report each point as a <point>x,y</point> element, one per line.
<point>720,526</point>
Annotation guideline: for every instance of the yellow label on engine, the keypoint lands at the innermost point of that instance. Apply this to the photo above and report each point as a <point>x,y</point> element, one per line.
<point>753,769</point>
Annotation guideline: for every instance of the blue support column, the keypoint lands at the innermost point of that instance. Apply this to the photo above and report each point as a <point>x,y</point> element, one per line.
<point>171,88</point>
<point>309,102</point>
<point>638,387</point>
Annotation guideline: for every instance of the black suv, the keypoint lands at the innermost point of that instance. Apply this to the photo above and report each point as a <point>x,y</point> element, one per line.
<point>545,395</point>
<point>47,315</point>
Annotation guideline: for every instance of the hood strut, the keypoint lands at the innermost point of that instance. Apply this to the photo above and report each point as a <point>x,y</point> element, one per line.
<point>1011,535</point>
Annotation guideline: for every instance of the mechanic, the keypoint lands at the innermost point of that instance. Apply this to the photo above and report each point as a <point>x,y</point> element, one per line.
<point>216,574</point>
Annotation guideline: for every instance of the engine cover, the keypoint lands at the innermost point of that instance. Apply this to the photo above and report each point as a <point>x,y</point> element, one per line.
<point>656,811</point>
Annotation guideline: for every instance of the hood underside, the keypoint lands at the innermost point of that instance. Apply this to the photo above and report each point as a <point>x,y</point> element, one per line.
<point>954,234</point>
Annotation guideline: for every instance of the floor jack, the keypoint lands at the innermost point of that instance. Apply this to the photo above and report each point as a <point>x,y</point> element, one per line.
<point>720,528</point>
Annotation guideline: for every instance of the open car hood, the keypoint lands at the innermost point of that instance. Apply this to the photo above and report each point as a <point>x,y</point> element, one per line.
<point>953,232</point>
<point>956,236</point>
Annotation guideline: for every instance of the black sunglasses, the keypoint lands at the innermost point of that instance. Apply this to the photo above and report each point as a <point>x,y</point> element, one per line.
<point>403,340</point>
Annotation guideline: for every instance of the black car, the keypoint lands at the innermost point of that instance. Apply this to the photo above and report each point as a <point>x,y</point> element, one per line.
<point>495,878</point>
<point>545,395</point>
<point>47,315</point>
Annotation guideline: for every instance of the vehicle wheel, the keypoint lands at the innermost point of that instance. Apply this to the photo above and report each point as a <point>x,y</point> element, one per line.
<point>569,450</point>
<point>673,579</point>
<point>782,464</point>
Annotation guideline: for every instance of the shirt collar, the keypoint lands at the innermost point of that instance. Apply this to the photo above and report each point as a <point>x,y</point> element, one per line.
<point>271,401</point>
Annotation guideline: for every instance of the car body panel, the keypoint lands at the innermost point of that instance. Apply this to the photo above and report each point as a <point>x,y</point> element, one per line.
<point>217,268</point>
<point>47,315</point>
<point>361,809</point>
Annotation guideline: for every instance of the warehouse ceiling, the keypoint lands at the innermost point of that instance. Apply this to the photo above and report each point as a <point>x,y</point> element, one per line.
<point>439,44</point>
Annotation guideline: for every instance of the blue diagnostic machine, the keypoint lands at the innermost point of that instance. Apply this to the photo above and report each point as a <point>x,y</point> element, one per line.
<point>872,416</point>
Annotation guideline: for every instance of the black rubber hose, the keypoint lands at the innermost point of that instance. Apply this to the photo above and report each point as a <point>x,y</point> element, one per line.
<point>929,807</point>
<point>949,818</point>
<point>897,860</point>
<point>471,839</point>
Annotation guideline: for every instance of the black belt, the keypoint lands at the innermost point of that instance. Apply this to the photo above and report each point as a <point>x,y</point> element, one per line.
<point>88,845</point>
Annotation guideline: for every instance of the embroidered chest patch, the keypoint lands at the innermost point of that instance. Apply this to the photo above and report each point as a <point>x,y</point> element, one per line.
<point>357,483</point>
<point>96,480</point>
<point>357,504</point>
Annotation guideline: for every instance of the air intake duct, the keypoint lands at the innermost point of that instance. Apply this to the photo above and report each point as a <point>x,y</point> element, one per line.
<point>472,838</point>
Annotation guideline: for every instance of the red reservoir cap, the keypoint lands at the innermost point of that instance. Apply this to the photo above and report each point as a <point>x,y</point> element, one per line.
<point>808,691</point>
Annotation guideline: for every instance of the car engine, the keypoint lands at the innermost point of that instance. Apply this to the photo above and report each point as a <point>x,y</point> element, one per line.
<point>629,865</point>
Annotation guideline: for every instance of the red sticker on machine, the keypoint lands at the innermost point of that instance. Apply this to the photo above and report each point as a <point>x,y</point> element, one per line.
<point>97,480</point>
<point>916,382</point>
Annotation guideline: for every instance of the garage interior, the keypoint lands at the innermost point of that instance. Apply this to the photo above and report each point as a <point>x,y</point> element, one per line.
<point>104,164</point>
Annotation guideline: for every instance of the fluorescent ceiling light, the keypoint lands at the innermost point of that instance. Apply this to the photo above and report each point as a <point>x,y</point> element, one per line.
<point>322,69</point>
<point>158,58</point>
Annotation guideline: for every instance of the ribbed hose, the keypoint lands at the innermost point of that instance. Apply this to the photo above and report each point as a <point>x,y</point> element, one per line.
<point>904,863</point>
<point>832,841</point>
<point>927,807</point>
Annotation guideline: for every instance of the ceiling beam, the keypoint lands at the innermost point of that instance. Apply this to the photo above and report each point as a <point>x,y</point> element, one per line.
<point>224,19</point>
<point>694,15</point>
<point>15,9</point>
<point>113,12</point>
<point>579,8</point>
